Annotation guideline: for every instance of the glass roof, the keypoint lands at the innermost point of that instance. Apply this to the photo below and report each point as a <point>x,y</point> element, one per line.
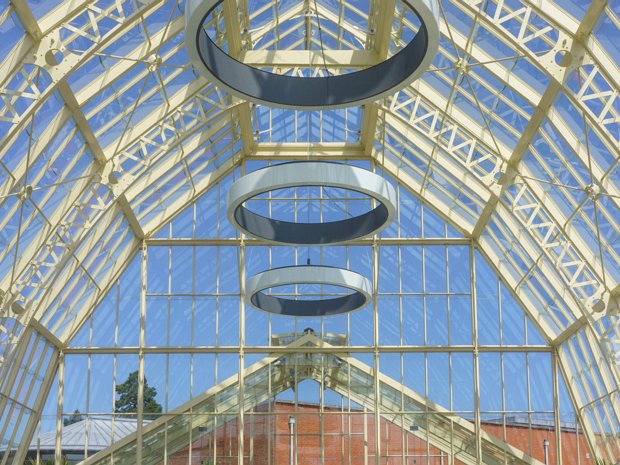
<point>512,136</point>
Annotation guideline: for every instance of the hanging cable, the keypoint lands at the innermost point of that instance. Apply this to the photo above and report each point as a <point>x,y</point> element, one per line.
<point>318,20</point>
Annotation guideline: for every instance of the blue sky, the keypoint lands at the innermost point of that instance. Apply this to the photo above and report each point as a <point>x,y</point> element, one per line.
<point>203,283</point>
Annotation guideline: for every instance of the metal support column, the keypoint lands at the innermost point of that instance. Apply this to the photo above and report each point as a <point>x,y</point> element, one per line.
<point>375,312</point>
<point>241,416</point>
<point>61,384</point>
<point>556,407</point>
<point>477,422</point>
<point>377,386</point>
<point>143,279</point>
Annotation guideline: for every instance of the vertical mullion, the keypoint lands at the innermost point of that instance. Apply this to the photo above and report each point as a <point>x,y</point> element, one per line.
<point>472,285</point>
<point>501,358</point>
<point>449,316</point>
<point>365,436</point>
<point>269,413</point>
<point>425,336</point>
<point>400,299</point>
<point>269,263</point>
<point>322,254</point>
<point>529,401</point>
<point>377,387</point>
<point>61,385</point>
<point>114,360</point>
<point>403,428</point>
<point>578,448</point>
<point>556,407</point>
<point>216,360</point>
<point>241,413</point>
<point>192,341</point>
<point>424,306</point>
<point>322,410</point>
<point>86,429</point>
<point>342,432</point>
<point>167,374</point>
<point>295,286</point>
<point>296,406</point>
<point>349,452</point>
<point>140,413</point>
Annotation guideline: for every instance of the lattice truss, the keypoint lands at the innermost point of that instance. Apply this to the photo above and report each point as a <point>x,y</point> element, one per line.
<point>513,135</point>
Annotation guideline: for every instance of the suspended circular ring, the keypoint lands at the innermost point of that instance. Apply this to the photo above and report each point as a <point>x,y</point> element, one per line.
<point>344,90</point>
<point>311,174</point>
<point>308,274</point>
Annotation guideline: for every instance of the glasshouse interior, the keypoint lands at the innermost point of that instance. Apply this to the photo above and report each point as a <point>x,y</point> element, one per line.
<point>310,232</point>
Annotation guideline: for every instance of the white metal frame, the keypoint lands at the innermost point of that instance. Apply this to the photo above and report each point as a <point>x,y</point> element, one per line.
<point>163,141</point>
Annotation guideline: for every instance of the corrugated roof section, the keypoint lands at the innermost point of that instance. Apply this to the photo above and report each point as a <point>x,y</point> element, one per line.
<point>101,433</point>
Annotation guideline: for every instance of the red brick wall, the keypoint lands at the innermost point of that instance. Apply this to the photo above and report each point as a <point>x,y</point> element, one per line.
<point>519,437</point>
<point>343,433</point>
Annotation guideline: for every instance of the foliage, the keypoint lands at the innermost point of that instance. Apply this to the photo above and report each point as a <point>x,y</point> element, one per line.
<point>74,418</point>
<point>127,392</point>
<point>33,461</point>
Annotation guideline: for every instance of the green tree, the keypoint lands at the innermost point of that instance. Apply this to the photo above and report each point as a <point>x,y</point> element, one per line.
<point>127,401</point>
<point>74,418</point>
<point>63,461</point>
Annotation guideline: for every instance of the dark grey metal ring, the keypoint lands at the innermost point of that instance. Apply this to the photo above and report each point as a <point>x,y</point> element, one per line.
<point>308,274</point>
<point>299,174</point>
<point>344,90</point>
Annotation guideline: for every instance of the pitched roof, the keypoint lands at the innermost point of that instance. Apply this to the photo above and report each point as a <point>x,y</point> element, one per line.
<point>101,433</point>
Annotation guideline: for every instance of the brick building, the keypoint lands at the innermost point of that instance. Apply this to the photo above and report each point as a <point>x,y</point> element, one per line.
<point>348,437</point>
